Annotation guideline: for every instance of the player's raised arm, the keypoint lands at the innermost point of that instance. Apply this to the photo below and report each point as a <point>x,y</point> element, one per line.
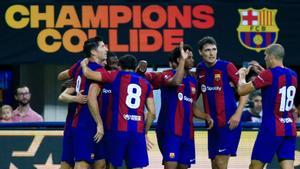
<point>176,80</point>
<point>88,73</point>
<point>93,105</point>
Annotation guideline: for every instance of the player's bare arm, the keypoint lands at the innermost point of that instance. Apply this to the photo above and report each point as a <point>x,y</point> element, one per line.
<point>150,117</point>
<point>64,75</point>
<point>88,73</point>
<point>94,91</point>
<point>66,96</point>
<point>151,113</point>
<point>236,117</point>
<point>201,115</point>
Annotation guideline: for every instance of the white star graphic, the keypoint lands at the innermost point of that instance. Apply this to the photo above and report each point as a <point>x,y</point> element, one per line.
<point>48,165</point>
<point>12,166</point>
<point>297,157</point>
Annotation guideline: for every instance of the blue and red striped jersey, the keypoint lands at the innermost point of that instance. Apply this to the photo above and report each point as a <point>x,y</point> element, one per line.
<point>70,116</point>
<point>154,78</point>
<point>216,84</point>
<point>83,116</point>
<point>130,92</point>
<point>106,105</point>
<point>176,113</point>
<point>278,87</point>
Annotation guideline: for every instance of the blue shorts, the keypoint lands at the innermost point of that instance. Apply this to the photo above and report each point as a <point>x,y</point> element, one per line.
<point>128,146</point>
<point>85,148</point>
<point>67,149</point>
<point>223,141</point>
<point>179,149</point>
<point>267,144</point>
<point>160,136</point>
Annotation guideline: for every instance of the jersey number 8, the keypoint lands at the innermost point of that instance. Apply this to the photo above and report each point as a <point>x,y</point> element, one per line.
<point>133,96</point>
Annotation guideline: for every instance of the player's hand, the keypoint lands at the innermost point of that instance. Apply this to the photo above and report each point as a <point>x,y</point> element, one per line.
<point>84,62</point>
<point>210,123</point>
<point>256,66</point>
<point>234,121</point>
<point>184,54</point>
<point>80,98</point>
<point>149,144</point>
<point>141,67</point>
<point>242,72</point>
<point>99,134</point>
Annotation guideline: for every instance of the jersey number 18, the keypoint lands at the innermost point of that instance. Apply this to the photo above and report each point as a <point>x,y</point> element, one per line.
<point>287,98</point>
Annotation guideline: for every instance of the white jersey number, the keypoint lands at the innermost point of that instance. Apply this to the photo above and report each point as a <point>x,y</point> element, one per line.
<point>133,96</point>
<point>78,83</point>
<point>287,98</point>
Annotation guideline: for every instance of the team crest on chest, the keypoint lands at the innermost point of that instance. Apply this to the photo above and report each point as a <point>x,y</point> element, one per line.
<point>193,90</point>
<point>217,77</point>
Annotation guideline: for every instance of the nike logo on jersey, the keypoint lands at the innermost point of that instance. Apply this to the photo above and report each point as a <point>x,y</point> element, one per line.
<point>222,150</point>
<point>166,76</point>
<point>201,76</point>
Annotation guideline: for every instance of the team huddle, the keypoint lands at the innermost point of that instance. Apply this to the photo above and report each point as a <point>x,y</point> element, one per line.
<point>107,124</point>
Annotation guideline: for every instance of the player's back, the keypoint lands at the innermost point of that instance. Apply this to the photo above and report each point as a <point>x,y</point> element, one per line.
<point>278,113</point>
<point>130,92</point>
<point>83,117</point>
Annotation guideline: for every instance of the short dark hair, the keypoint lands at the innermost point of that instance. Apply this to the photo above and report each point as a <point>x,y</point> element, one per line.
<point>111,54</point>
<point>108,60</point>
<point>176,53</point>
<point>206,40</point>
<point>128,62</point>
<point>19,87</point>
<point>91,44</point>
<point>254,94</point>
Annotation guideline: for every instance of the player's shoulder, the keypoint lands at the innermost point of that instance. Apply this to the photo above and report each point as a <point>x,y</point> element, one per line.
<point>200,65</point>
<point>143,79</point>
<point>95,66</point>
<point>224,63</point>
<point>292,72</point>
<point>168,72</point>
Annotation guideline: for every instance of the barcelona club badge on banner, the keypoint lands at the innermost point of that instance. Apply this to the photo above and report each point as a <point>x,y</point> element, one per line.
<point>258,28</point>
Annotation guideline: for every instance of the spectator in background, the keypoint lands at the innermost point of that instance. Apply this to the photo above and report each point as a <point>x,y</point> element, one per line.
<point>6,113</point>
<point>24,113</point>
<point>253,112</point>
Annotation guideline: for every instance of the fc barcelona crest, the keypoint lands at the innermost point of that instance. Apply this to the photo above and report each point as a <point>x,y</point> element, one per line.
<point>257,28</point>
